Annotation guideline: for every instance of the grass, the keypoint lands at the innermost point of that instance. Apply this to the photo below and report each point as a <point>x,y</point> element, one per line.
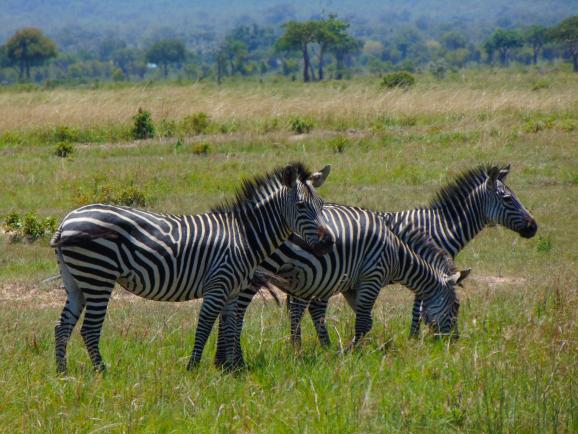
<point>515,367</point>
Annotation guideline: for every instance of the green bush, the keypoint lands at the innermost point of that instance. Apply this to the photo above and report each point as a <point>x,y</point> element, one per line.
<point>300,125</point>
<point>197,123</point>
<point>114,194</point>
<point>201,148</point>
<point>167,128</point>
<point>62,133</point>
<point>30,226</point>
<point>63,149</point>
<point>143,127</point>
<point>400,79</point>
<point>544,245</point>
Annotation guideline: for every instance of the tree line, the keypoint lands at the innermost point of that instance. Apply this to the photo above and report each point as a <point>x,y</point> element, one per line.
<point>310,48</point>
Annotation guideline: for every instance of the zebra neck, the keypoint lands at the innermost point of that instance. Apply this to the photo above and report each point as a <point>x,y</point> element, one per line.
<point>264,229</point>
<point>416,273</point>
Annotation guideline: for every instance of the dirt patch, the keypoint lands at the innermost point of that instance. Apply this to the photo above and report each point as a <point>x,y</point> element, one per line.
<point>500,280</point>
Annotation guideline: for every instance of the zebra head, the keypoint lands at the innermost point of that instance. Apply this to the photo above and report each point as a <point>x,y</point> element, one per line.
<point>441,312</point>
<point>304,208</point>
<point>503,207</point>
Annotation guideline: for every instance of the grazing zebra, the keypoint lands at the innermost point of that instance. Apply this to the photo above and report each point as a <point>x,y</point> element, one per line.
<point>366,256</point>
<point>476,199</point>
<point>176,258</point>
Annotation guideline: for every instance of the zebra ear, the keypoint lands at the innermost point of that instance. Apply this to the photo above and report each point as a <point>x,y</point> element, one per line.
<point>318,178</point>
<point>504,172</point>
<point>458,277</point>
<point>289,176</point>
<point>493,174</point>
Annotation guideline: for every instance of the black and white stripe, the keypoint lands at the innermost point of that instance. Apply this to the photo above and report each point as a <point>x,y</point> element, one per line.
<point>366,256</point>
<point>176,258</point>
<point>476,199</point>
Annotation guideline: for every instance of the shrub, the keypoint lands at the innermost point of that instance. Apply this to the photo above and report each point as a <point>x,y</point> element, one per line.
<point>401,79</point>
<point>127,195</point>
<point>63,149</point>
<point>540,84</point>
<point>167,128</point>
<point>544,245</point>
<point>143,127</point>
<point>62,133</point>
<point>300,125</point>
<point>29,226</point>
<point>197,123</point>
<point>201,148</point>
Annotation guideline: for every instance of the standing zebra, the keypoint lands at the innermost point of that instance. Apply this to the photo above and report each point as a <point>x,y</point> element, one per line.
<point>176,258</point>
<point>366,256</point>
<point>476,199</point>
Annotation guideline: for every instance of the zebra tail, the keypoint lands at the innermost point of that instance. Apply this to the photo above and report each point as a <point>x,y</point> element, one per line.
<point>80,237</point>
<point>265,280</point>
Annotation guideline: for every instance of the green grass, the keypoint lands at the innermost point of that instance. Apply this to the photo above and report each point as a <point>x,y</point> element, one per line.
<point>514,369</point>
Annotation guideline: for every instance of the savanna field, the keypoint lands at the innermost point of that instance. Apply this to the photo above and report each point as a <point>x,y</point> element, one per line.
<point>514,369</point>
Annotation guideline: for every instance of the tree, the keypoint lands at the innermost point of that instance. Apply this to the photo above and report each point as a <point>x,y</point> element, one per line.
<point>503,41</point>
<point>453,40</point>
<point>298,36</point>
<point>535,36</point>
<point>29,47</point>
<point>567,33</point>
<point>341,49</point>
<point>166,52</point>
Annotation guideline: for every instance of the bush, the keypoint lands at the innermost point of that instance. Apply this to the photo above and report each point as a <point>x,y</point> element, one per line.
<point>63,149</point>
<point>401,79</point>
<point>62,133</point>
<point>29,226</point>
<point>127,195</point>
<point>201,148</point>
<point>197,123</point>
<point>143,127</point>
<point>544,245</point>
<point>300,125</point>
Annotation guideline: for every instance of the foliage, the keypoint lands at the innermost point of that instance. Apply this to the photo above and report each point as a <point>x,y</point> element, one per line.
<point>197,123</point>
<point>300,125</point>
<point>567,33</point>
<point>402,79</point>
<point>503,41</point>
<point>339,144</point>
<point>63,149</point>
<point>29,47</point>
<point>29,226</point>
<point>201,148</point>
<point>125,193</point>
<point>166,52</point>
<point>143,127</point>
<point>544,244</point>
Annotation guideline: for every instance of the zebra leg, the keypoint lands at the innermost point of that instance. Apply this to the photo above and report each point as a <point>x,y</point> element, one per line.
<point>213,304</point>
<point>415,317</point>
<point>68,319</point>
<point>366,296</point>
<point>225,339</point>
<point>297,309</point>
<point>96,305</point>
<point>351,299</point>
<point>318,310</point>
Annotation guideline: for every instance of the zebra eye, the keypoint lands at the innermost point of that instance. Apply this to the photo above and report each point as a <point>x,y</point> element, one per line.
<point>507,197</point>
<point>300,204</point>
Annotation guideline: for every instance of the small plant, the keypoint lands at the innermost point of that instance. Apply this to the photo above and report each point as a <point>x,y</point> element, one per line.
<point>167,128</point>
<point>143,127</point>
<point>400,79</point>
<point>544,245</point>
<point>179,144</point>
<point>540,84</point>
<point>300,125</point>
<point>62,133</point>
<point>201,148</point>
<point>339,144</point>
<point>197,123</point>
<point>29,226</point>
<point>63,149</point>
<point>127,195</point>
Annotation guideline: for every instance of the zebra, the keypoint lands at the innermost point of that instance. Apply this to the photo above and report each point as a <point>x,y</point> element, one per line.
<point>175,258</point>
<point>366,256</point>
<point>477,198</point>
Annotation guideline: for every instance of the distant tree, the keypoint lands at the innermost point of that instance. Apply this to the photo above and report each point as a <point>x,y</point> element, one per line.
<point>29,47</point>
<point>298,36</point>
<point>453,40</point>
<point>343,48</point>
<point>503,41</point>
<point>109,46</point>
<point>129,60</point>
<point>535,36</point>
<point>567,33</point>
<point>166,52</point>
<point>405,39</point>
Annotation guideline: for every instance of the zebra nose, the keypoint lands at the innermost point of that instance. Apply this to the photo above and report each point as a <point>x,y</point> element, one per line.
<point>531,228</point>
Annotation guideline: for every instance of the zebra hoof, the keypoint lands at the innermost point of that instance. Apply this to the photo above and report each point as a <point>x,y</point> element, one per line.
<point>61,368</point>
<point>193,364</point>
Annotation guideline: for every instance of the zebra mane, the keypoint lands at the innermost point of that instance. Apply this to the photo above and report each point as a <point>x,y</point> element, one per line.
<point>460,187</point>
<point>423,245</point>
<point>251,187</point>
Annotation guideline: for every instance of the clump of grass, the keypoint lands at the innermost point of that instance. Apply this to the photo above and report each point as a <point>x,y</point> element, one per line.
<point>536,125</point>
<point>401,79</point>
<point>544,245</point>
<point>29,227</point>
<point>201,148</point>
<point>197,123</point>
<point>63,133</point>
<point>300,125</point>
<point>167,128</point>
<point>143,127</point>
<point>115,194</point>
<point>63,149</point>
<point>539,84</point>
<point>339,144</point>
